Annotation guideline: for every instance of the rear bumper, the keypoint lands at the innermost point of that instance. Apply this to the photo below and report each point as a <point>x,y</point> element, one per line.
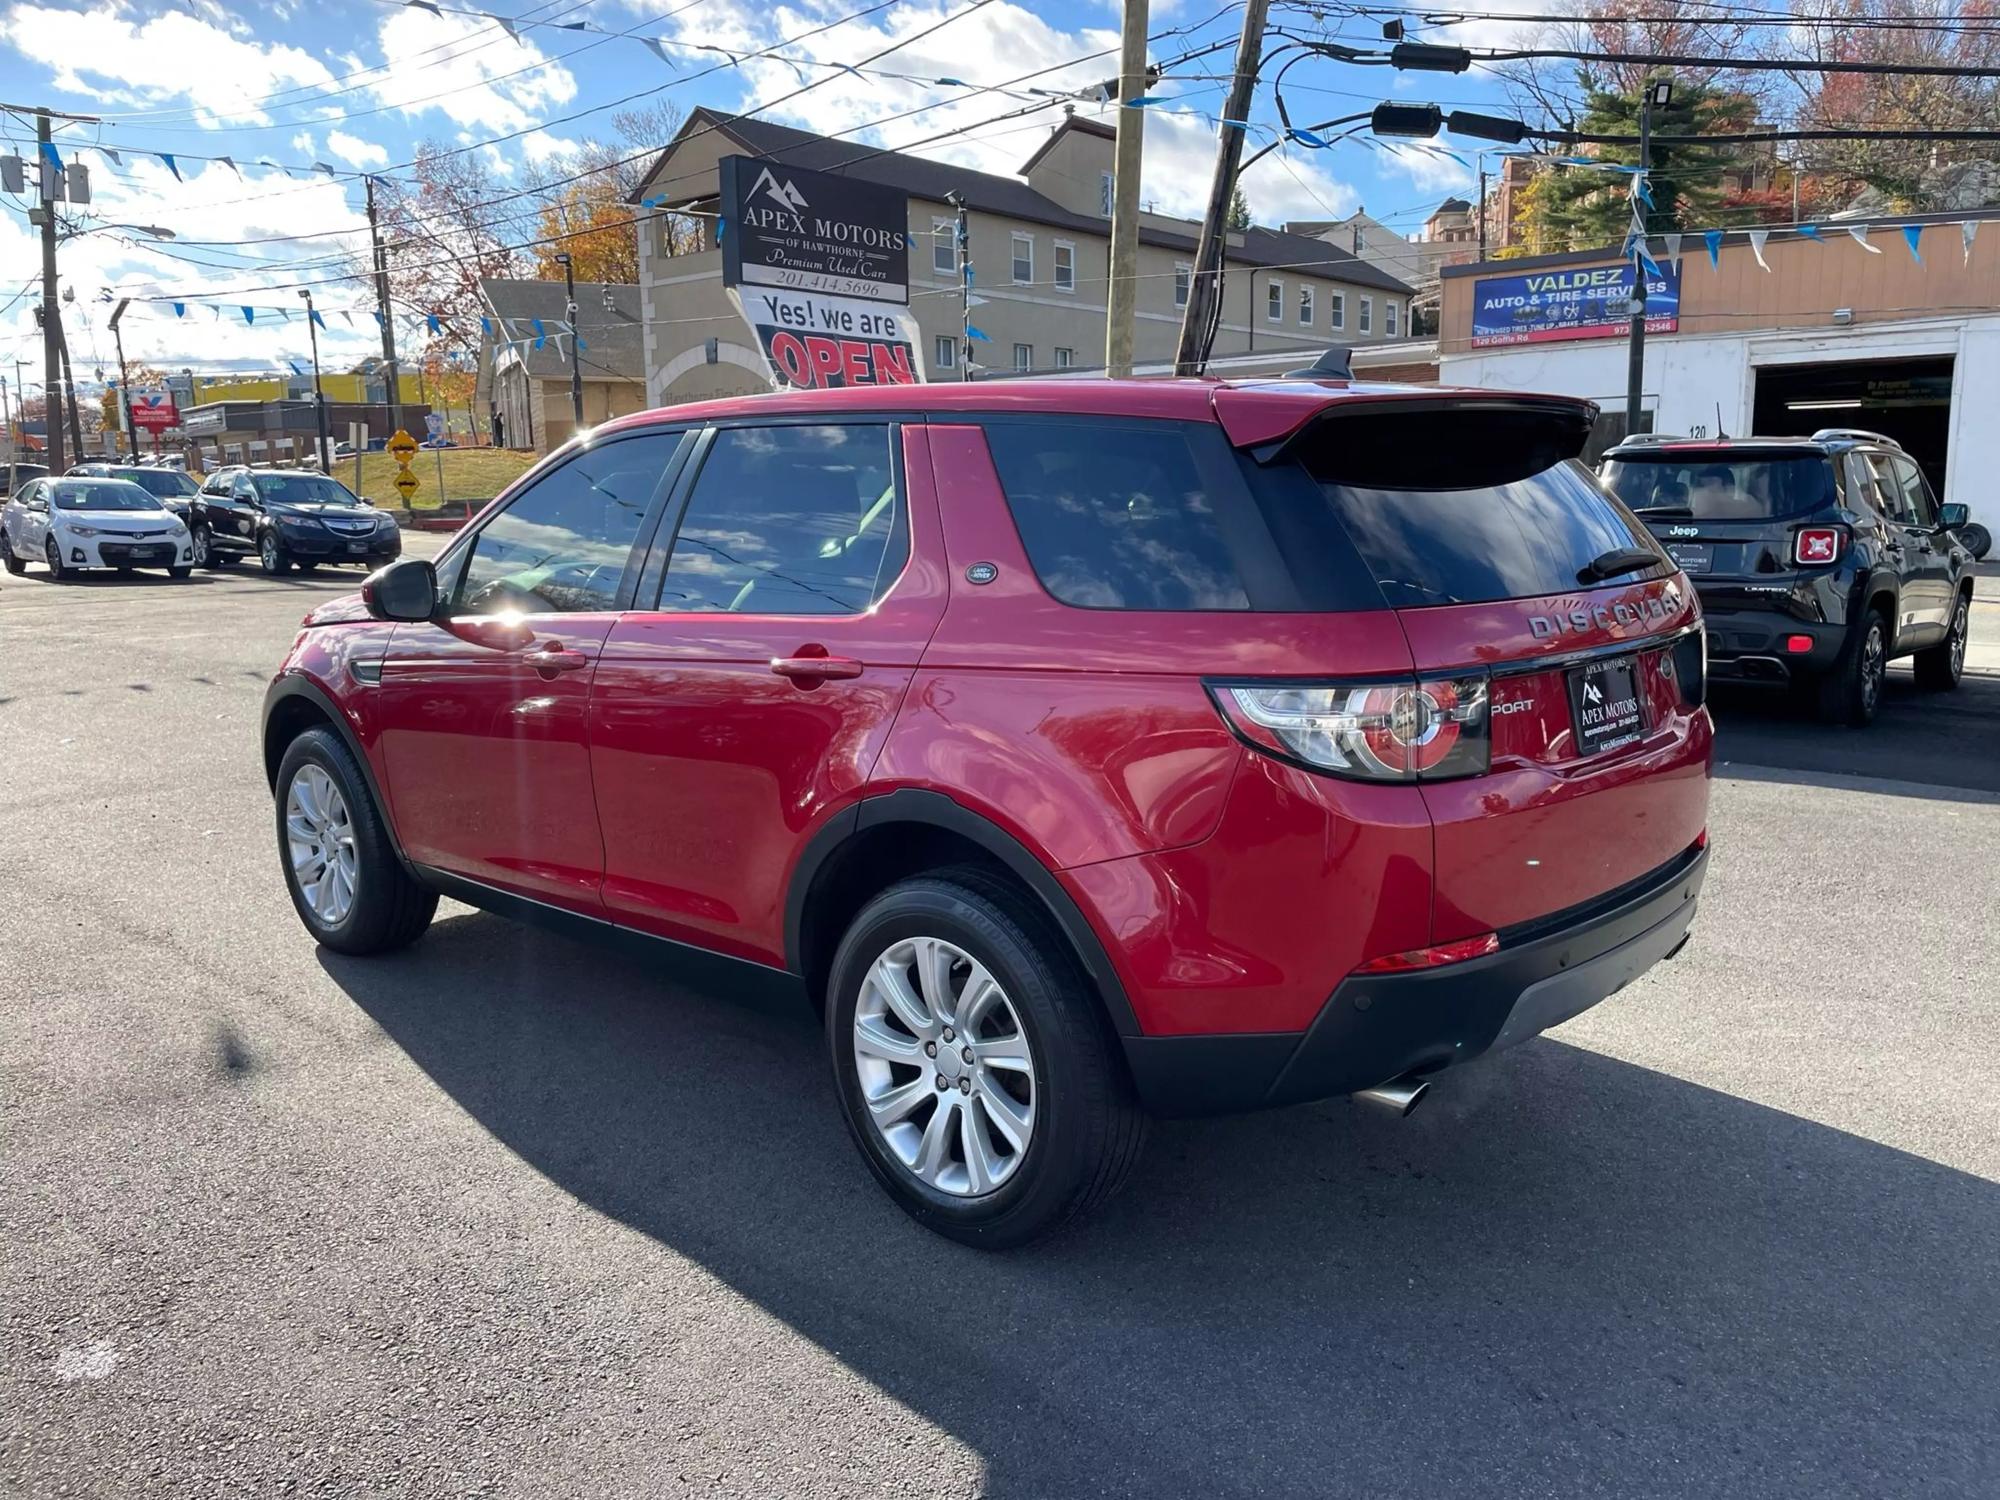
<point>1381,1027</point>
<point>1754,646</point>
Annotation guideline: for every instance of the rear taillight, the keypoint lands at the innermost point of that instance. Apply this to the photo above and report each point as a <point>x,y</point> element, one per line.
<point>1402,730</point>
<point>1817,546</point>
<point>1432,958</point>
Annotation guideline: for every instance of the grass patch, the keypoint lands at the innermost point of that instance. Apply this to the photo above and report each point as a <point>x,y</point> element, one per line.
<point>469,474</point>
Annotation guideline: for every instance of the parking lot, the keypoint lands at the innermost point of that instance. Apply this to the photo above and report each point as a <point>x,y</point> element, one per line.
<point>507,1215</point>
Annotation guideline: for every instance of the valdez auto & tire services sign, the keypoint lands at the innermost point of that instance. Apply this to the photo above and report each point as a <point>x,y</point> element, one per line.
<point>810,342</point>
<point>1592,302</point>
<point>813,232</point>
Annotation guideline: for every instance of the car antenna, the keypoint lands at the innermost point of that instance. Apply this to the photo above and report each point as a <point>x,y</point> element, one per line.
<point>1718,421</point>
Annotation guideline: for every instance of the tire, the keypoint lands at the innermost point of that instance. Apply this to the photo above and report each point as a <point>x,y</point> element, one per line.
<point>1851,691</point>
<point>385,909</point>
<point>1976,539</point>
<point>52,555</point>
<point>15,565</point>
<point>273,556</point>
<point>1940,667</point>
<point>198,545</point>
<point>187,572</point>
<point>1083,1128</point>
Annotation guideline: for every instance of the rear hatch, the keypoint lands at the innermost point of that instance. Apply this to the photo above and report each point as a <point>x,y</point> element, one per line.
<point>1513,573</point>
<point>1728,514</point>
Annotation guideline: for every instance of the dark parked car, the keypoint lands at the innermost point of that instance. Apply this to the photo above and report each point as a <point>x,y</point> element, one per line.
<point>1076,749</point>
<point>1818,560</point>
<point>13,474</point>
<point>289,518</point>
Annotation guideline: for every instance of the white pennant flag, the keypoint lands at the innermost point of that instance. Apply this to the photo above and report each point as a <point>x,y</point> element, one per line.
<point>1758,237</point>
<point>1673,248</point>
<point>1860,233</point>
<point>509,27</point>
<point>1966,230</point>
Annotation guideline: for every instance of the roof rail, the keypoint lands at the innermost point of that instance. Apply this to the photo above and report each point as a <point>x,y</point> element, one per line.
<point>1859,434</point>
<point>1643,439</point>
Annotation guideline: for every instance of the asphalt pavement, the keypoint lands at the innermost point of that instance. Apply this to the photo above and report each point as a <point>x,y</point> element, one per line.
<point>506,1215</point>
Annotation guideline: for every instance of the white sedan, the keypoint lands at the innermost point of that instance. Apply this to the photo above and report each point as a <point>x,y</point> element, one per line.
<point>76,523</point>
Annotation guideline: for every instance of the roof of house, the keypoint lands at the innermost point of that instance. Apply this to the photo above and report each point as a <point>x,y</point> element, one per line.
<point>1008,197</point>
<point>612,349</point>
<point>1070,123</point>
<point>1452,206</point>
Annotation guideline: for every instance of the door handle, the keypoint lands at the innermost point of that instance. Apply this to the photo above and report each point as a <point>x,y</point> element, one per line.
<point>553,657</point>
<point>815,668</point>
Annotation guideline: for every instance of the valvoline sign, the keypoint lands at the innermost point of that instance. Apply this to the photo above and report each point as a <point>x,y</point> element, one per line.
<point>812,342</point>
<point>1585,302</point>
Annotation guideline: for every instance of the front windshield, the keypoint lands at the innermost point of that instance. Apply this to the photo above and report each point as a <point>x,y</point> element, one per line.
<point>161,482</point>
<point>304,489</point>
<point>101,494</point>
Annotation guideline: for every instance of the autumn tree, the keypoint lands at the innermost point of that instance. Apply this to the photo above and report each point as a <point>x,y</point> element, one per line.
<point>585,208</point>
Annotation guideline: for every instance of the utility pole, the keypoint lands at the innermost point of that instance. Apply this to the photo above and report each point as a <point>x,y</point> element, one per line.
<point>393,390</point>
<point>1202,315</point>
<point>1482,205</point>
<point>52,358</point>
<point>319,394</point>
<point>1122,304</point>
<point>961,232</point>
<point>69,392</point>
<point>124,385</point>
<point>575,358</point>
<point>1655,92</point>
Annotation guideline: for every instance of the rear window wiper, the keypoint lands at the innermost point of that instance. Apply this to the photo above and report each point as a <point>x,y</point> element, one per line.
<point>1618,561</point>
<point>1662,510</point>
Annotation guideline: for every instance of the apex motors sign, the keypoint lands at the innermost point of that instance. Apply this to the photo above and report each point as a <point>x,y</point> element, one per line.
<point>813,232</point>
<point>1592,302</point>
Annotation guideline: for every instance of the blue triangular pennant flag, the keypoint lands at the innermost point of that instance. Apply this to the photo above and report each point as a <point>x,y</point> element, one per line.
<point>486,327</point>
<point>974,333</point>
<point>317,318</point>
<point>540,333</point>
<point>111,156</point>
<point>171,166</point>
<point>180,309</point>
<point>249,315</point>
<point>952,83</point>
<point>1911,234</point>
<point>1307,138</point>
<point>658,48</point>
<point>54,156</point>
<point>377,312</point>
<point>1145,99</point>
<point>1811,232</point>
<point>295,368</point>
<point>1713,239</point>
<point>227,162</point>
<point>579,341</point>
<point>431,322</point>
<point>721,225</point>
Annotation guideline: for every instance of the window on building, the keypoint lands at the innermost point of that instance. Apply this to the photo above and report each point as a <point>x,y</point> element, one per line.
<point>944,246</point>
<point>1024,357</point>
<point>1183,282</point>
<point>1024,259</point>
<point>1065,266</point>
<point>1389,315</point>
<point>1339,301</point>
<point>1106,184</point>
<point>1305,307</point>
<point>789,521</point>
<point>1367,314</point>
<point>562,543</point>
<point>1274,301</point>
<point>1064,357</point>
<point>945,352</point>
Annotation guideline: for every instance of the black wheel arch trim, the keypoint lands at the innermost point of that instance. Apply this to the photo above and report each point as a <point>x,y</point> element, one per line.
<point>936,810</point>
<point>298,685</point>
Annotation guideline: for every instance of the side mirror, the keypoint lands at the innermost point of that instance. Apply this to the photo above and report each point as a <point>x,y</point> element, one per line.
<point>405,590</point>
<point>1951,517</point>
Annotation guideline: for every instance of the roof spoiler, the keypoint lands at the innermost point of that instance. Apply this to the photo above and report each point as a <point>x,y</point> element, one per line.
<point>1858,434</point>
<point>1336,364</point>
<point>1561,423</point>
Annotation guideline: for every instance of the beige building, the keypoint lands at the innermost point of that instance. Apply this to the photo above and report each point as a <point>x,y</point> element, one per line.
<point>1040,253</point>
<point>528,389</point>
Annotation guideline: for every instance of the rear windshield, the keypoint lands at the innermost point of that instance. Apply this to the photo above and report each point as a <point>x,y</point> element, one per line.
<point>161,482</point>
<point>1720,485</point>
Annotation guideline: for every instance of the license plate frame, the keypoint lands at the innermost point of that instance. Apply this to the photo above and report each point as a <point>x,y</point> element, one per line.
<point>1692,557</point>
<point>1606,710</point>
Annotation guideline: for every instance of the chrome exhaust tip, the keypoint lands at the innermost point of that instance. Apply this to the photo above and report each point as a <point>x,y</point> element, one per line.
<point>1400,1095</point>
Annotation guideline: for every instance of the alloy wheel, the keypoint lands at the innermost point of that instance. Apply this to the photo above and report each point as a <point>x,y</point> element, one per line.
<point>52,554</point>
<point>1873,665</point>
<point>1958,633</point>
<point>267,550</point>
<point>319,838</point>
<point>199,546</point>
<point>946,1069</point>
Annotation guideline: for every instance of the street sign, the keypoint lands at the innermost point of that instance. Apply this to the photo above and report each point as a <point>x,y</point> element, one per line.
<point>403,446</point>
<point>813,232</point>
<point>406,483</point>
<point>154,411</point>
<point>1592,302</point>
<point>434,424</point>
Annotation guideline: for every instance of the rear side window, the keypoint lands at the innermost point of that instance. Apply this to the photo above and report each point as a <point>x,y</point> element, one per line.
<point>1118,517</point>
<point>1720,484</point>
<point>790,521</point>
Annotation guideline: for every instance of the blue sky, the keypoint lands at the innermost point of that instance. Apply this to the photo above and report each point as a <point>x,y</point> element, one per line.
<point>354,85</point>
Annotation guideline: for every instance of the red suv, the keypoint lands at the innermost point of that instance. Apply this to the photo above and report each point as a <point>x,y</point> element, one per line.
<point>1078,749</point>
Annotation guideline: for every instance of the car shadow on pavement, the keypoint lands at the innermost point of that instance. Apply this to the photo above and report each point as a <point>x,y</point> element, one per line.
<point>1566,1275</point>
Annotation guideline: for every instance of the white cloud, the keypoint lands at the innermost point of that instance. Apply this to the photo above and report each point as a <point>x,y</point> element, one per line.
<point>355,151</point>
<point>540,147</point>
<point>112,58</point>
<point>472,72</point>
<point>303,144</point>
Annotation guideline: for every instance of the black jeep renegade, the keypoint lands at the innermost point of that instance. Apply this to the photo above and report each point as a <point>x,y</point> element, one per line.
<point>1818,560</point>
